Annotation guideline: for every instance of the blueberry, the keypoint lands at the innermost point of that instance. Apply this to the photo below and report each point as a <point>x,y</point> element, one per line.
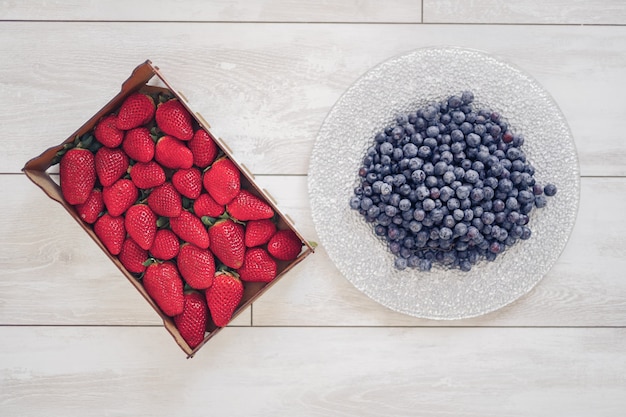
<point>463,192</point>
<point>428,204</point>
<point>541,201</point>
<point>410,150</point>
<point>488,217</point>
<point>404,204</point>
<point>355,203</point>
<point>458,117</point>
<point>467,97</point>
<point>386,148</point>
<point>430,113</point>
<point>424,151</point>
<point>424,265</point>
<point>386,189</point>
<point>419,215</point>
<point>457,136</point>
<point>461,229</point>
<point>473,140</point>
<point>400,263</point>
<point>526,232</point>
<point>453,204</point>
<point>549,190</point>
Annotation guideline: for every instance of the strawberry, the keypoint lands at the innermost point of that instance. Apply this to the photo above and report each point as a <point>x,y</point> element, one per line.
<point>204,205</point>
<point>190,229</point>
<point>191,323</point>
<point>174,119</point>
<point>165,245</point>
<point>165,201</point>
<point>172,153</point>
<point>119,196</point>
<point>111,232</point>
<point>222,181</point>
<point>223,297</point>
<point>136,110</point>
<point>138,144</point>
<point>285,245</point>
<point>246,206</point>
<point>91,209</point>
<point>107,133</point>
<point>203,148</point>
<point>147,175</point>
<point>196,266</point>
<point>259,232</point>
<point>133,256</point>
<point>163,283</point>
<point>188,182</point>
<point>141,225</point>
<point>111,165</point>
<point>77,174</point>
<point>258,266</point>
<point>227,242</point>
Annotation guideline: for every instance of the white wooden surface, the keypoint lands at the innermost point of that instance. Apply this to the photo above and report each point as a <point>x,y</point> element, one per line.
<point>77,340</point>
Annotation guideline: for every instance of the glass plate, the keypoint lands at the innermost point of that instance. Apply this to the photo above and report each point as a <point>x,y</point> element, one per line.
<point>406,83</point>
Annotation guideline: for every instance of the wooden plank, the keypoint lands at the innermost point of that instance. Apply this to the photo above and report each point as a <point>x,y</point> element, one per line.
<point>266,88</point>
<point>51,273</point>
<point>594,12</point>
<point>585,287</point>
<point>314,372</point>
<point>407,11</point>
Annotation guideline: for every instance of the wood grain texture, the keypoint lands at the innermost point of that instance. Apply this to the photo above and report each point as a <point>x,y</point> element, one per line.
<point>266,88</point>
<point>49,265</point>
<point>585,287</point>
<point>596,12</point>
<point>51,272</point>
<point>314,372</point>
<point>361,11</point>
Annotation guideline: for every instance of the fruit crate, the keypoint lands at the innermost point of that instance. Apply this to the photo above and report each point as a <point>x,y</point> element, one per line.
<point>147,79</point>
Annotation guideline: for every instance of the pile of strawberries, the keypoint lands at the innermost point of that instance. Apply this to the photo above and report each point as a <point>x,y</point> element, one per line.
<point>169,204</point>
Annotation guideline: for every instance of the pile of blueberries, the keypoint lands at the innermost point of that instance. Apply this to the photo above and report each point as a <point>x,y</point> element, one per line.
<point>448,184</point>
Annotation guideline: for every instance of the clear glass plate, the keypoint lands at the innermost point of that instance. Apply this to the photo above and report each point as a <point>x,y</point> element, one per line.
<point>406,83</point>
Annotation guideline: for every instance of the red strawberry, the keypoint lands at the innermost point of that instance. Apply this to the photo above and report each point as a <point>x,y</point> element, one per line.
<point>206,206</point>
<point>132,256</point>
<point>136,110</point>
<point>246,206</point>
<point>111,165</point>
<point>174,119</point>
<point>165,245</point>
<point>190,229</point>
<point>191,323</point>
<point>227,242</point>
<point>119,196</point>
<point>91,209</point>
<point>196,266</point>
<point>163,283</point>
<point>165,201</point>
<point>138,144</point>
<point>111,232</point>
<point>77,174</point>
<point>107,133</point>
<point>223,297</point>
<point>222,181</point>
<point>203,148</point>
<point>172,153</point>
<point>147,175</point>
<point>285,245</point>
<point>141,225</point>
<point>259,232</point>
<point>258,266</point>
<point>188,182</point>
